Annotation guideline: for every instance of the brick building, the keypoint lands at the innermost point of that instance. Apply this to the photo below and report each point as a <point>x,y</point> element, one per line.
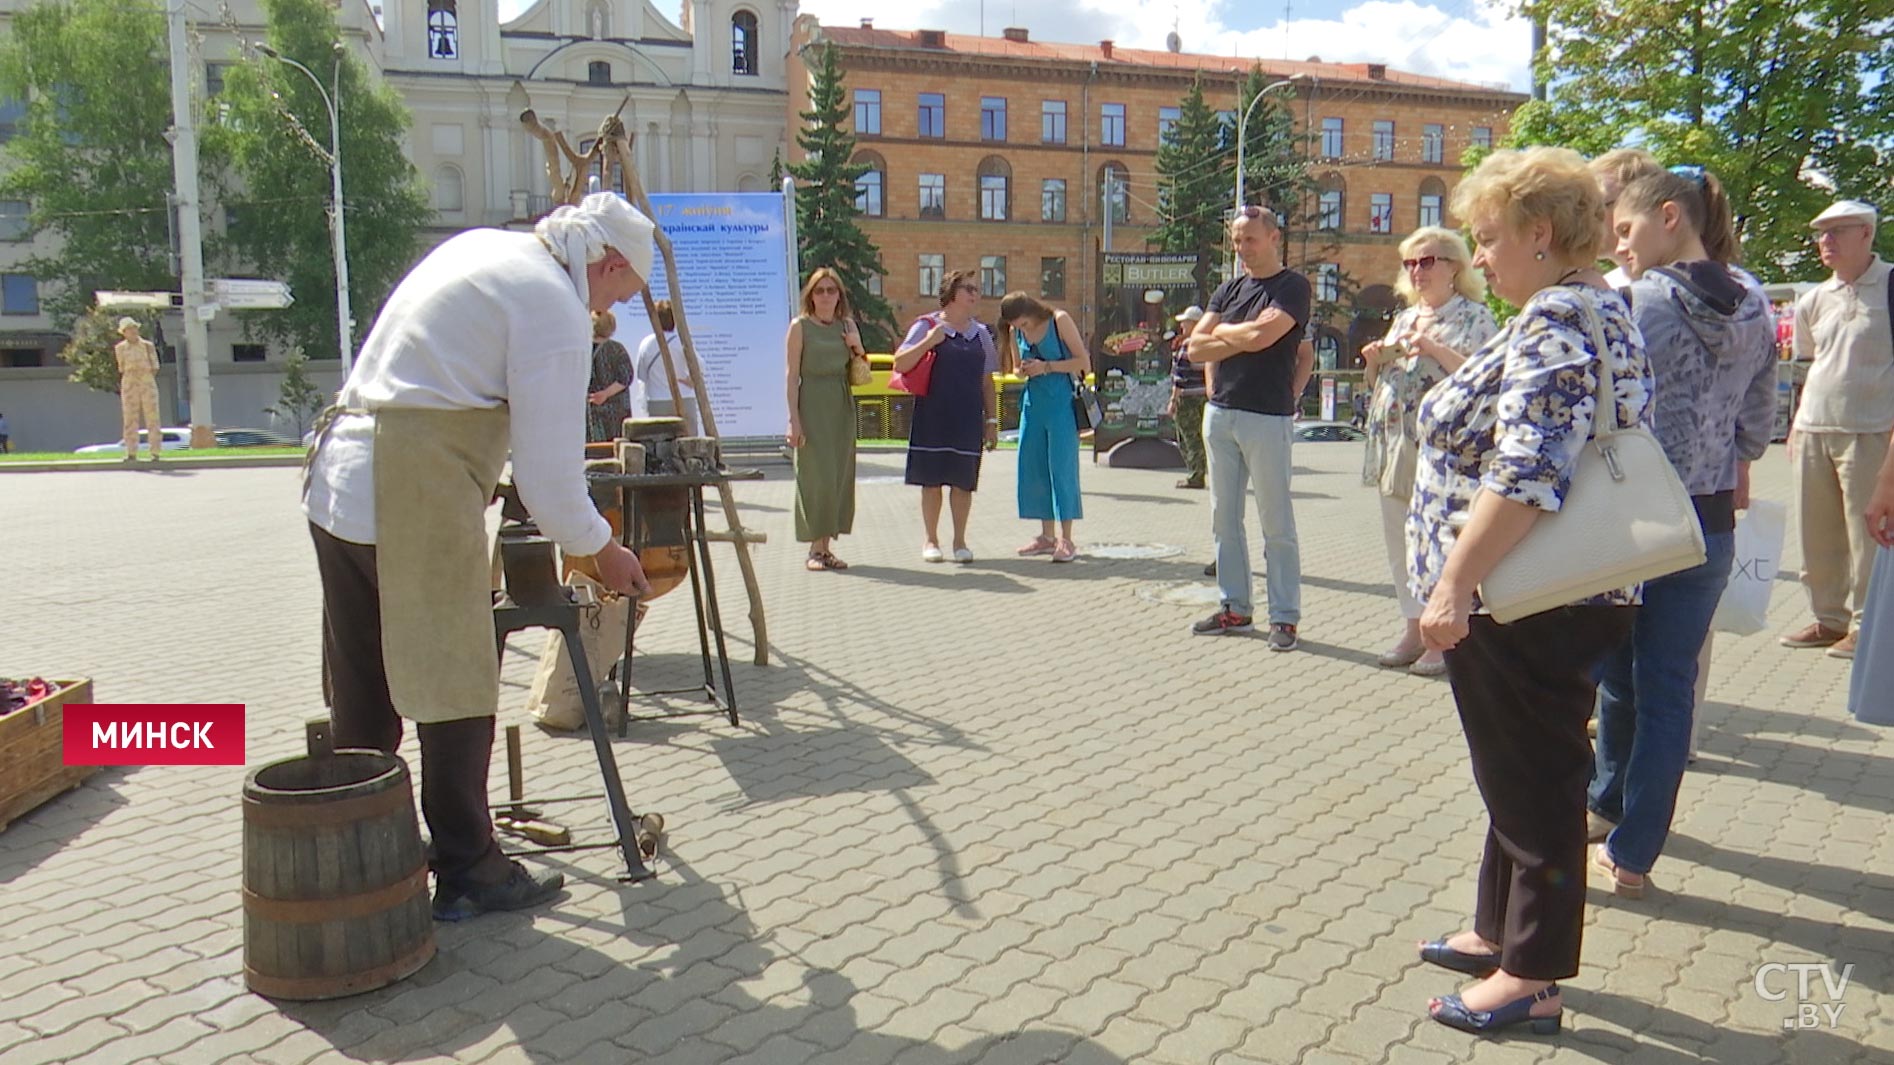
<point>996,154</point>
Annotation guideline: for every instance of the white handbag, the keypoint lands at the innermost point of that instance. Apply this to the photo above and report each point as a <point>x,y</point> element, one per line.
<point>1626,519</point>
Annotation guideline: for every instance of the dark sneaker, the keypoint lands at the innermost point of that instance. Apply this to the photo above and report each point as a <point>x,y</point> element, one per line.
<point>1843,648</point>
<point>522,890</point>
<point>1211,569</point>
<point>1283,637</point>
<point>1190,483</point>
<point>1815,635</point>
<point>1222,622</point>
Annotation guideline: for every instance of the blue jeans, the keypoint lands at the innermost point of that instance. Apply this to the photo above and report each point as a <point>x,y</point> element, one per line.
<point>1246,449</point>
<point>1646,694</point>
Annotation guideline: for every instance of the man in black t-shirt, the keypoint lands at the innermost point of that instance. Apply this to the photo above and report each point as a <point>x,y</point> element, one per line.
<point>1253,335</point>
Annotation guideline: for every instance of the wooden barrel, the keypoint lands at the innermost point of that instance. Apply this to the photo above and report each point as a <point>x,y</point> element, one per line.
<point>335,897</point>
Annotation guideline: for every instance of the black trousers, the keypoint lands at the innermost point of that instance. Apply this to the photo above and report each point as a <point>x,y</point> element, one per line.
<point>455,755</point>
<point>1525,691</point>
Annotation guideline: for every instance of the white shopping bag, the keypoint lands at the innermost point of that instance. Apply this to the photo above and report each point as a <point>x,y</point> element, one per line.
<point>1744,608</point>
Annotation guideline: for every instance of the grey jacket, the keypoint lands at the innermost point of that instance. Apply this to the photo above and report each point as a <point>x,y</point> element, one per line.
<point>1711,338</point>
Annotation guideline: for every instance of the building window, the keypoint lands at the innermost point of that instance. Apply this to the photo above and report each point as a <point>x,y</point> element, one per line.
<point>1052,200</point>
<point>249,352</point>
<point>872,284</point>
<point>443,29</point>
<point>448,193</point>
<point>993,276</point>
<point>933,115</point>
<point>13,223</point>
<point>933,195</point>
<point>1052,278</point>
<point>868,111</point>
<point>1052,122</point>
<point>933,272</point>
<point>1383,140</point>
<point>743,43</point>
<point>598,72</point>
<point>1328,208</point>
<point>1332,138</point>
<point>1114,188</point>
<point>1111,124</point>
<point>868,199</point>
<point>1167,118</point>
<point>995,178</point>
<point>1482,136</point>
<point>214,78</point>
<point>1328,282</point>
<point>1227,119</point>
<point>19,294</point>
<point>992,118</point>
<point>1380,212</point>
<point>1433,143</point>
<point>1433,198</point>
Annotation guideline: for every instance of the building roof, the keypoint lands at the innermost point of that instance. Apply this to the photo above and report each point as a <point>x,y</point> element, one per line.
<point>1008,48</point>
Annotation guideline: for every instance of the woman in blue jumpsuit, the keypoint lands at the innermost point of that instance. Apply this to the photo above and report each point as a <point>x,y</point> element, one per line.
<point>1052,357</point>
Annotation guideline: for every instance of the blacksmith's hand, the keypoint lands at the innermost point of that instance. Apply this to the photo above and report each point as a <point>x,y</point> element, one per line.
<point>619,570</point>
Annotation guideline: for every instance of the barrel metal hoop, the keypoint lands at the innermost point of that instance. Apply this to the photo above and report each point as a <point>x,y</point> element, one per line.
<point>336,907</point>
<point>263,814</point>
<point>314,988</point>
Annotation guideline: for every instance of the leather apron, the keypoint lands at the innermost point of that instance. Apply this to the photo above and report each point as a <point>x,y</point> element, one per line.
<point>435,472</point>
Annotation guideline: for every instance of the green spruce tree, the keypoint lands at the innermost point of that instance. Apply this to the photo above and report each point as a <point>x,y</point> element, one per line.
<point>827,233</point>
<point>1193,193</point>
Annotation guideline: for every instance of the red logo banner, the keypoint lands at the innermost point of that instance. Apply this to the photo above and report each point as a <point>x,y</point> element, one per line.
<point>153,734</point>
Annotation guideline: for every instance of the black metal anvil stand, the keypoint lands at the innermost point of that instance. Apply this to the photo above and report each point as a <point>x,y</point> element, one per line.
<point>552,606</point>
<point>685,528</point>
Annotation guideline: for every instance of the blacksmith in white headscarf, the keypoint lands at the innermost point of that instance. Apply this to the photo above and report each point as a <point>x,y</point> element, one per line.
<point>483,352</point>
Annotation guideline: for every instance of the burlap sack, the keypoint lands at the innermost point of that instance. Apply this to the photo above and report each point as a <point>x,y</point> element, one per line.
<point>553,699</point>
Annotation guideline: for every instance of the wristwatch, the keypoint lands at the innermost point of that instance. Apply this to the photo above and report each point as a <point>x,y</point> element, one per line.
<point>993,421</point>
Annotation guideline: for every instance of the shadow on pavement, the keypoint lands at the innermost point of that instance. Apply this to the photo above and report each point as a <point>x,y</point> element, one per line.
<point>1666,1037</point>
<point>692,988</point>
<point>34,837</point>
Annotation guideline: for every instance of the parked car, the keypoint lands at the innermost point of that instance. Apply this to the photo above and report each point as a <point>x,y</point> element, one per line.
<point>179,439</point>
<point>173,439</point>
<point>1328,432</point>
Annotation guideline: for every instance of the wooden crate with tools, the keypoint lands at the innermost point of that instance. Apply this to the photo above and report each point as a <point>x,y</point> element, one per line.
<point>32,766</point>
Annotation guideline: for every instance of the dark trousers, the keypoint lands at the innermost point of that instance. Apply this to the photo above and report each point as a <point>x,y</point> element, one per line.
<point>1525,691</point>
<point>455,755</point>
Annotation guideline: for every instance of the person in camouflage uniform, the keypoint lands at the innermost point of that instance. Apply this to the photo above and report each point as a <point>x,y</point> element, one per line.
<point>137,389</point>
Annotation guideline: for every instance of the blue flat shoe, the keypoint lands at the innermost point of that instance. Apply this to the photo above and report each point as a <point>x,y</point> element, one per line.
<point>1454,1014</point>
<point>1439,953</point>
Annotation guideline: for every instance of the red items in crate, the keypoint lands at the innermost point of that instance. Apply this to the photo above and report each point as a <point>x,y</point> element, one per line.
<point>15,694</point>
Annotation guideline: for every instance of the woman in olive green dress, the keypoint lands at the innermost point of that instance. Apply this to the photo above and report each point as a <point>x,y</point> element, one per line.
<point>821,341</point>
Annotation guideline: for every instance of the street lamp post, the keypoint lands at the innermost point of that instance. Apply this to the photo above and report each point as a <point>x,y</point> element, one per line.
<point>337,238</point>
<point>1242,129</point>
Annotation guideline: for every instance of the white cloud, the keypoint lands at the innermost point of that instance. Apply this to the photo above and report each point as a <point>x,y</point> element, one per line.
<point>1477,42</point>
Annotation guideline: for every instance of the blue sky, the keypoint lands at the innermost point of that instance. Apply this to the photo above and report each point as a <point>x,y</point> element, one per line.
<point>1472,40</point>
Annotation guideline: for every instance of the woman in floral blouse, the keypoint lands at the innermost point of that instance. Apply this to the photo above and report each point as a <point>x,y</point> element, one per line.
<point>1444,323</point>
<point>1500,441</point>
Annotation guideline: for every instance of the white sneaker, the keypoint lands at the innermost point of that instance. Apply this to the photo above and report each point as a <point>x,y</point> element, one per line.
<point>962,555</point>
<point>931,553</point>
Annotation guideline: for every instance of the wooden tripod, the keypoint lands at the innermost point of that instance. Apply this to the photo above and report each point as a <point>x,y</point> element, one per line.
<point>613,148</point>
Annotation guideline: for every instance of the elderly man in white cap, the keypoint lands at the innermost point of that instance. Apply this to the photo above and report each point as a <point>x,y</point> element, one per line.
<point>1840,435</point>
<point>137,389</point>
<point>482,352</point>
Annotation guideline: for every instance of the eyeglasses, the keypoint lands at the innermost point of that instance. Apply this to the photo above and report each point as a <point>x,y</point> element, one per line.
<point>828,290</point>
<point>1425,262</point>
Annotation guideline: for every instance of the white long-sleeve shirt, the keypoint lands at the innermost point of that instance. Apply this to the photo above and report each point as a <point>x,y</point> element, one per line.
<point>489,317</point>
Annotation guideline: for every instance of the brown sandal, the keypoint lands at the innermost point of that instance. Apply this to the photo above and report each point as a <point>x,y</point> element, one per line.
<point>821,560</point>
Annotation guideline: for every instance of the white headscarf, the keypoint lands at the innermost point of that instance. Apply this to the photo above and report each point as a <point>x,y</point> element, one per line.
<point>579,235</point>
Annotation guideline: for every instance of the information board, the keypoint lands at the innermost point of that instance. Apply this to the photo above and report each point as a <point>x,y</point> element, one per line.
<point>732,254</point>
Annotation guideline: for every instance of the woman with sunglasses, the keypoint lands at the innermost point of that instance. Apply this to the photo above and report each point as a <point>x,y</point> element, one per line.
<point>1445,321</point>
<point>821,341</point>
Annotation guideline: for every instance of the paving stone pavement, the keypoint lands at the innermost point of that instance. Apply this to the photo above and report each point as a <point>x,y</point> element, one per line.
<point>1008,812</point>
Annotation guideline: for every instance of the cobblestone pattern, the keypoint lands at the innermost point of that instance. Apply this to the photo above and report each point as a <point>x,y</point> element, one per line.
<point>1009,812</point>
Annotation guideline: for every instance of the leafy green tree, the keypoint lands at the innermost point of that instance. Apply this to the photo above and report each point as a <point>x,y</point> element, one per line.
<point>89,349</point>
<point>1194,193</point>
<point>90,154</point>
<point>275,129</point>
<point>1781,98</point>
<point>298,397</point>
<point>827,233</point>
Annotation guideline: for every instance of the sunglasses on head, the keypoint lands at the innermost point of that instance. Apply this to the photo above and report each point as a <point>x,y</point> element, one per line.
<point>1425,262</point>
<point>1253,211</point>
